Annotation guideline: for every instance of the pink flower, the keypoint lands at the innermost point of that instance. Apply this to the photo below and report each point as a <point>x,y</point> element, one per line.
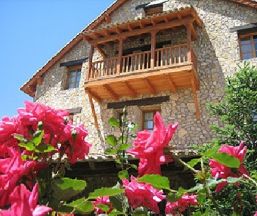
<point>181,205</point>
<point>24,202</point>
<point>12,169</point>
<point>221,171</point>
<point>255,214</point>
<point>78,148</point>
<point>148,147</point>
<point>8,127</point>
<point>102,201</point>
<point>142,194</point>
<point>33,113</point>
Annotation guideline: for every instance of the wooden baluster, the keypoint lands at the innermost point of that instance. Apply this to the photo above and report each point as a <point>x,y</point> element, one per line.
<point>153,47</point>
<point>170,60</point>
<point>120,53</point>
<point>127,64</point>
<point>157,59</point>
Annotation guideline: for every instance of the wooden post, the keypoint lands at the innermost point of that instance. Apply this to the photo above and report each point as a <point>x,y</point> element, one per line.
<point>96,123</point>
<point>120,53</point>
<point>153,47</point>
<point>189,37</point>
<point>90,60</point>
<point>197,108</point>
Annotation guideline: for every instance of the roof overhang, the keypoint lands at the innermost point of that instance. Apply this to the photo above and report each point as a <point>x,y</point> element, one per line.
<point>157,22</point>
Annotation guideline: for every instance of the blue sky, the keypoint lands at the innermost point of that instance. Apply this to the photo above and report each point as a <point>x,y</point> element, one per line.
<point>32,31</point>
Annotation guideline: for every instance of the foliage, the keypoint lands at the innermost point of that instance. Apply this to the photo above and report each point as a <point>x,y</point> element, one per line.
<point>238,108</point>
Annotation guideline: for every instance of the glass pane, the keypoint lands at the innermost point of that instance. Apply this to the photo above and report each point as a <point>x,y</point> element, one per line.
<point>247,55</point>
<point>246,48</point>
<point>78,78</point>
<point>149,116</point>
<point>245,41</point>
<point>150,124</point>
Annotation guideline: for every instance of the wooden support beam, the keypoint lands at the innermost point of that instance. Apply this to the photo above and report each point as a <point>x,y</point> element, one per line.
<point>141,24</point>
<point>93,111</point>
<point>100,50</point>
<point>111,92</point>
<point>171,83</point>
<point>96,123</point>
<point>161,26</point>
<point>90,60</point>
<point>150,86</point>
<point>118,30</point>
<point>130,27</point>
<point>193,31</point>
<point>130,88</point>
<point>153,47</point>
<point>96,98</point>
<point>197,107</point>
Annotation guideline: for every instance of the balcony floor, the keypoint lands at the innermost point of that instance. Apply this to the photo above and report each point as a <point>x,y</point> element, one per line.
<point>134,84</point>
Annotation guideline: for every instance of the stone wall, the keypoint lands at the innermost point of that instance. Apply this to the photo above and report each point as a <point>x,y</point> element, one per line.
<point>218,56</point>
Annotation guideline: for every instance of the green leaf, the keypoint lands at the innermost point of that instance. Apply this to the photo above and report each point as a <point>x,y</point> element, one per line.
<point>192,163</point>
<point>227,160</point>
<point>123,174</point>
<point>124,147</point>
<point>111,140</point>
<point>44,148</point>
<point>111,151</point>
<point>157,181</point>
<point>66,188</point>
<point>37,137</point>
<point>20,138</point>
<point>104,208</point>
<point>211,151</point>
<point>117,202</point>
<point>29,146</point>
<point>82,206</point>
<point>113,122</point>
<point>115,213</point>
<point>105,192</point>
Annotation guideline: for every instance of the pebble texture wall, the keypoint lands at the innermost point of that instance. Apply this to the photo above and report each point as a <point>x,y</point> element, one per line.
<point>218,56</point>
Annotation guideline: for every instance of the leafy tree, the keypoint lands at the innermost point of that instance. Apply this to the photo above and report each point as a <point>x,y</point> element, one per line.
<point>237,111</point>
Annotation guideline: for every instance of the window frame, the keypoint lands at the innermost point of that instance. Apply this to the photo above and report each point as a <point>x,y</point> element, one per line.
<point>253,49</point>
<point>154,110</point>
<point>70,70</point>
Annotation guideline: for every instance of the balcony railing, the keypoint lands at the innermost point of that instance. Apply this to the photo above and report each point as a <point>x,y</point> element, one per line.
<point>140,62</point>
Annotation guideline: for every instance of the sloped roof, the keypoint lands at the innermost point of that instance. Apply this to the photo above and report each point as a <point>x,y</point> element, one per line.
<point>29,86</point>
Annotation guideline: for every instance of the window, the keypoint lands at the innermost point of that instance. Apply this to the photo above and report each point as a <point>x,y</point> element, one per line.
<point>73,78</point>
<point>248,45</point>
<point>155,9</point>
<point>148,123</point>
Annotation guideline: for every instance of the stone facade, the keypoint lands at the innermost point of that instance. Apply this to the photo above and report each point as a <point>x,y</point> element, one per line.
<point>218,55</point>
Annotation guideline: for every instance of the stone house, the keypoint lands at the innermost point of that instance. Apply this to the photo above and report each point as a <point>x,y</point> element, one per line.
<point>170,56</point>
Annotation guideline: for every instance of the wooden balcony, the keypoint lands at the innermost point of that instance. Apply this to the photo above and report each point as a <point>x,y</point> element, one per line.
<point>173,67</point>
<point>143,73</point>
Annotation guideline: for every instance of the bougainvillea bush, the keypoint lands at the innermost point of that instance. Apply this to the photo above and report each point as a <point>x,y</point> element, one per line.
<point>40,143</point>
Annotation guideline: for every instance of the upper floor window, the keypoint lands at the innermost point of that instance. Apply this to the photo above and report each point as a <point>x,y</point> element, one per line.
<point>73,78</point>
<point>148,123</point>
<point>155,9</point>
<point>248,45</point>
